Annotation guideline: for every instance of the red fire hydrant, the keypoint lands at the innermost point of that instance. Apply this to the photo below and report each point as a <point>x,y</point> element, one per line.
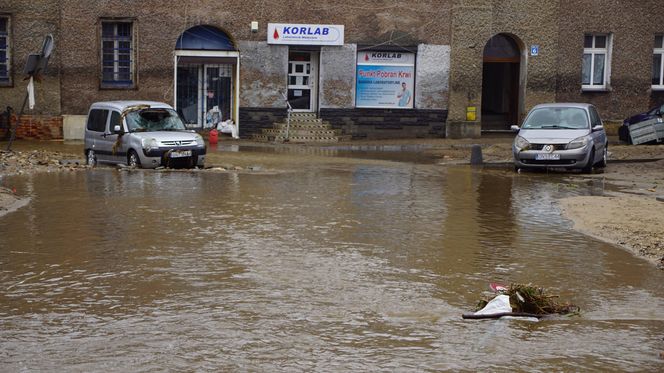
<point>214,137</point>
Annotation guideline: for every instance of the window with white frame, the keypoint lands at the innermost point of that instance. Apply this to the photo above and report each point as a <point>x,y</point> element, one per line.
<point>658,63</point>
<point>596,61</point>
<point>5,58</point>
<point>117,54</point>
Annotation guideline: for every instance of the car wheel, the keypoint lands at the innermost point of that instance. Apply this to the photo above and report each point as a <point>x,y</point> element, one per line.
<point>605,156</point>
<point>133,160</point>
<point>91,158</point>
<point>589,167</point>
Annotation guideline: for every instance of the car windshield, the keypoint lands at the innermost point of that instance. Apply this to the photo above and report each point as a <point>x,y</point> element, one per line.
<point>154,120</point>
<point>557,117</point>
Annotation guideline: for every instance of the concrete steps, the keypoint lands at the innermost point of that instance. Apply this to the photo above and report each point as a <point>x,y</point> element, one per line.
<point>304,127</point>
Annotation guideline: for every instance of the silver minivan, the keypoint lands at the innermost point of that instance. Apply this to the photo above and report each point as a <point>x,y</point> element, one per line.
<point>141,134</point>
<point>561,135</point>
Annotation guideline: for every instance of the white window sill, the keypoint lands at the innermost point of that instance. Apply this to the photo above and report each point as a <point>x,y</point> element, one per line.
<point>594,88</point>
<point>657,88</point>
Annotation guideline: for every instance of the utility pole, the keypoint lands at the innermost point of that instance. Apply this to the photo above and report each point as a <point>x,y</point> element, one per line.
<point>34,67</point>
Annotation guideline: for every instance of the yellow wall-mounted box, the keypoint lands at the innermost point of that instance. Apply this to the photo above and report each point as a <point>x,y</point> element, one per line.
<point>471,113</point>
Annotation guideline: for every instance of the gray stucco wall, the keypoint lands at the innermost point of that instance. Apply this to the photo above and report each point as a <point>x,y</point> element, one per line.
<point>432,76</point>
<point>263,70</point>
<point>337,76</point>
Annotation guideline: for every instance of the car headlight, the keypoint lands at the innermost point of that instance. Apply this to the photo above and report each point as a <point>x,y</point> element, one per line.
<point>149,144</point>
<point>577,143</point>
<point>521,143</point>
<point>200,141</point>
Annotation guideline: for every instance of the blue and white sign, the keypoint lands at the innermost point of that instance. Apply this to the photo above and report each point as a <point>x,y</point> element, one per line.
<point>384,87</point>
<point>385,80</point>
<point>302,34</point>
<point>534,50</point>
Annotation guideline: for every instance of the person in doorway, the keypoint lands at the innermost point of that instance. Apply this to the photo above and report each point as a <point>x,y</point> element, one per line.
<point>404,96</point>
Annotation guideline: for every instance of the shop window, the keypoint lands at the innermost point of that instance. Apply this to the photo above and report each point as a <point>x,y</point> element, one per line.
<point>117,54</point>
<point>5,57</point>
<point>385,80</point>
<point>658,63</point>
<point>596,61</point>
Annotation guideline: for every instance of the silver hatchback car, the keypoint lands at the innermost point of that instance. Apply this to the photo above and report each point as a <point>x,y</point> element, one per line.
<point>141,134</point>
<point>561,135</point>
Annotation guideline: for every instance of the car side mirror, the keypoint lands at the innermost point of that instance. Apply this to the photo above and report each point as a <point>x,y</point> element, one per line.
<point>515,128</point>
<point>117,130</point>
<point>598,127</point>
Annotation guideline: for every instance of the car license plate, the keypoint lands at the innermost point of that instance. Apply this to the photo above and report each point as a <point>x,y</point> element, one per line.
<point>180,153</point>
<point>547,157</point>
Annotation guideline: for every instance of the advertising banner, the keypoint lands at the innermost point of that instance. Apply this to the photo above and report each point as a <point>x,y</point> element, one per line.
<point>301,34</point>
<point>384,81</point>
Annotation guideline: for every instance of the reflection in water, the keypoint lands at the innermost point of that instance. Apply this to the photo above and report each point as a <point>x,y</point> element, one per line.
<point>350,267</point>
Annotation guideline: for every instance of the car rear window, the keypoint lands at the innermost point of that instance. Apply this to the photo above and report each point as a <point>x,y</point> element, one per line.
<point>97,120</point>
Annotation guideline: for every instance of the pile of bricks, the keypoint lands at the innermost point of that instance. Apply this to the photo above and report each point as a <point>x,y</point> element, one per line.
<point>36,127</point>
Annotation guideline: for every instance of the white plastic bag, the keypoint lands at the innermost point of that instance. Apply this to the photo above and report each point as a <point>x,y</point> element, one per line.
<point>499,304</point>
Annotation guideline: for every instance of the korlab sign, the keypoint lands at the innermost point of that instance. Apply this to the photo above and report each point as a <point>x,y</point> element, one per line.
<point>385,58</point>
<point>300,34</point>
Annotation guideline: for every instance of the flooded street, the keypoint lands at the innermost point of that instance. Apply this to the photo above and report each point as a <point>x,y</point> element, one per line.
<point>329,266</point>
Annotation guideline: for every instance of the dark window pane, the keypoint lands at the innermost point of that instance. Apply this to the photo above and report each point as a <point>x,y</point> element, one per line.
<point>107,29</point>
<point>659,41</point>
<point>300,98</point>
<point>3,24</point>
<point>657,69</point>
<point>299,56</point>
<point>107,46</point>
<point>588,41</point>
<point>116,120</point>
<point>600,41</point>
<point>97,120</point>
<point>124,29</point>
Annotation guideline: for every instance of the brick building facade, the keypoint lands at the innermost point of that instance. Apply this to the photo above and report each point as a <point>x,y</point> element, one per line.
<point>498,57</point>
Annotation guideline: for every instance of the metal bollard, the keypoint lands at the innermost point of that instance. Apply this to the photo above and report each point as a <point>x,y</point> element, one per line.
<point>476,155</point>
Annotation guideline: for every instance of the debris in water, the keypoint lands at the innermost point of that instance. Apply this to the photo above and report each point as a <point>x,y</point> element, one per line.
<point>525,301</point>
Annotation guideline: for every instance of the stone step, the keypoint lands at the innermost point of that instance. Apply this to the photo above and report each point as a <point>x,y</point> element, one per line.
<point>302,132</point>
<point>303,128</point>
<point>281,137</point>
<point>303,125</point>
<point>304,120</point>
<point>304,115</point>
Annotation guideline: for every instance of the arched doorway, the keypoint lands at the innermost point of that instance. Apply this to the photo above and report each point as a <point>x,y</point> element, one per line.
<point>206,77</point>
<point>500,83</point>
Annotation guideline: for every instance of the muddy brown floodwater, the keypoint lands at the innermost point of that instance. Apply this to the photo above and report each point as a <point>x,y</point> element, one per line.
<point>335,264</point>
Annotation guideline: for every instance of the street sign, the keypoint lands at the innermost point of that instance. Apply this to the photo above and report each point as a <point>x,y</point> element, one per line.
<point>534,50</point>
